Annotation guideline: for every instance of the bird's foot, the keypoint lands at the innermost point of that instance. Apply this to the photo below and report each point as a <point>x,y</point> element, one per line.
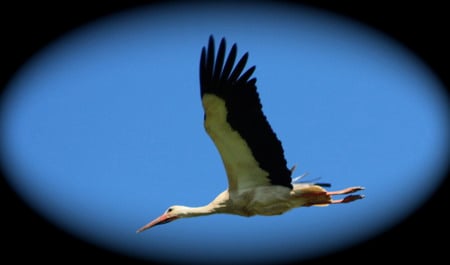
<point>348,198</point>
<point>345,191</point>
<point>322,197</point>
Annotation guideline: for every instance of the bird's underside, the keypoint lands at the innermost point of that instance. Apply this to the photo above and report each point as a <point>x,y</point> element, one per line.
<point>276,200</point>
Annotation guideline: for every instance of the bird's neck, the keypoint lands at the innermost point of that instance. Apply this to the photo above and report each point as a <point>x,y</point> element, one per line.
<point>199,211</point>
<point>218,205</point>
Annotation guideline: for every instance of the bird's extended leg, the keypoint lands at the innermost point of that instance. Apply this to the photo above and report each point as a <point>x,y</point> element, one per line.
<point>345,191</point>
<point>348,198</point>
<point>323,197</point>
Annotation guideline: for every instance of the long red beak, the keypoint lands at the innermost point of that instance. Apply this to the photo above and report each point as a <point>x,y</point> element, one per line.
<point>163,219</point>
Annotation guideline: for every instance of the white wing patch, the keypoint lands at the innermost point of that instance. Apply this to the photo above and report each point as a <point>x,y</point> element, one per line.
<point>242,169</point>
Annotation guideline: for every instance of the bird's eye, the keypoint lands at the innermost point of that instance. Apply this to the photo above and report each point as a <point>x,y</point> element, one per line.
<point>169,210</point>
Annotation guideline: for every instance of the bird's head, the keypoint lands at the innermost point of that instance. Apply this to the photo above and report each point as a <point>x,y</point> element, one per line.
<point>171,214</point>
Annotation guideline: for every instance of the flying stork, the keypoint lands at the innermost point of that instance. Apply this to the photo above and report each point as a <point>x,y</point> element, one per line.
<point>259,182</point>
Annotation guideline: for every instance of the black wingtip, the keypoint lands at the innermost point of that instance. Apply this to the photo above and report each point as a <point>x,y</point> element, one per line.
<point>245,76</point>
<point>218,69</point>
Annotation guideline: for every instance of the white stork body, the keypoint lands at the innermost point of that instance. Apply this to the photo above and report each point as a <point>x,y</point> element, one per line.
<point>259,183</point>
<point>264,200</point>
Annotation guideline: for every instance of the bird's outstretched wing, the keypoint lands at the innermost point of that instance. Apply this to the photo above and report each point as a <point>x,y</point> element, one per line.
<point>250,151</point>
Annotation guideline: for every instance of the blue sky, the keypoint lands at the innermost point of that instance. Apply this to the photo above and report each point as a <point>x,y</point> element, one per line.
<point>102,130</point>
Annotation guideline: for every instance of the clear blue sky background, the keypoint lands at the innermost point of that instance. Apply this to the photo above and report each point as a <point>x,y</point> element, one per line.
<point>103,130</point>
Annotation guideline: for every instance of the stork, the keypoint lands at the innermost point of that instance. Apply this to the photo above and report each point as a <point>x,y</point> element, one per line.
<point>259,182</point>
